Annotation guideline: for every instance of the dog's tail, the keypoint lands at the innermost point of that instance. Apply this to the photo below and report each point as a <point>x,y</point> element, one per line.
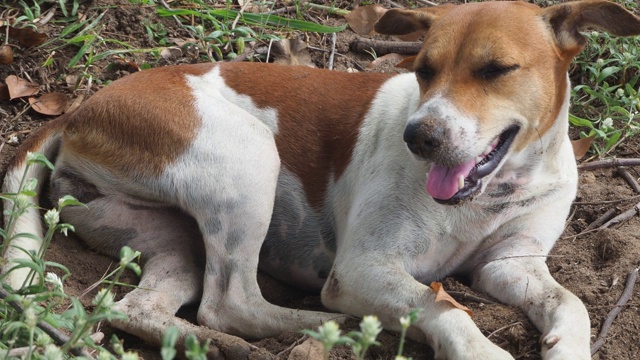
<point>24,234</point>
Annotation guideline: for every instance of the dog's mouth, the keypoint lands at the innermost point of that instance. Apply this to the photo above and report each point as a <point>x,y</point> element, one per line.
<point>453,185</point>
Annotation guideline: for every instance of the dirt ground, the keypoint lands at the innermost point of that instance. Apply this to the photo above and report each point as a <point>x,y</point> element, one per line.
<point>594,266</point>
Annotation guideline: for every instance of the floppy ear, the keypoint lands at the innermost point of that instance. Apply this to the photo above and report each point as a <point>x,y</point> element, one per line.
<point>568,19</point>
<point>402,22</point>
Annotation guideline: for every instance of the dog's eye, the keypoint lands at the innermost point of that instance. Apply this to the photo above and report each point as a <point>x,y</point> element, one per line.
<point>495,70</point>
<point>425,73</point>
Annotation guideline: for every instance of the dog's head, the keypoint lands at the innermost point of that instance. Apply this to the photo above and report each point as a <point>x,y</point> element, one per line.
<point>492,80</point>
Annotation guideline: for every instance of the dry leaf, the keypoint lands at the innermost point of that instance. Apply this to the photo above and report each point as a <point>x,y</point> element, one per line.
<point>291,52</point>
<point>581,146</point>
<point>170,53</point>
<point>49,104</point>
<point>407,63</point>
<point>20,87</point>
<point>442,295</point>
<point>6,55</point>
<point>362,19</point>
<point>392,58</point>
<point>26,37</point>
<point>4,92</point>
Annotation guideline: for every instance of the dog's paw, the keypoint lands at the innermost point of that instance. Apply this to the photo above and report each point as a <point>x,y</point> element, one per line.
<point>557,347</point>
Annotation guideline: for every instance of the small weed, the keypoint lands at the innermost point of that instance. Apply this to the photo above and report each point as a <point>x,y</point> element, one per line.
<point>607,99</point>
<point>360,341</point>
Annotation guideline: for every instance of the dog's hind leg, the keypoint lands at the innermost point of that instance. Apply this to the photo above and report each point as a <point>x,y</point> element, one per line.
<point>173,262</point>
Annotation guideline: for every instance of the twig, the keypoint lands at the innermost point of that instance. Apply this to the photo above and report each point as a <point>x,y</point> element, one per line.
<point>622,217</point>
<point>602,219</point>
<point>606,201</point>
<point>624,298</point>
<point>166,6</point>
<point>244,7</point>
<point>333,51</point>
<point>281,10</point>
<point>57,336</point>
<point>382,47</point>
<point>629,179</point>
<point>461,296</point>
<point>503,328</point>
<point>609,163</point>
<point>426,3</point>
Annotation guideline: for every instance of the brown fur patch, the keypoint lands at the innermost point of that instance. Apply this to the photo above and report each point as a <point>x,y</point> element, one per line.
<point>138,124</point>
<point>319,115</point>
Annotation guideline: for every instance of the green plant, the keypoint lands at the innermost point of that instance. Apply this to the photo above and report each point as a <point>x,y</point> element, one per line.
<point>359,341</point>
<point>608,71</point>
<point>29,322</point>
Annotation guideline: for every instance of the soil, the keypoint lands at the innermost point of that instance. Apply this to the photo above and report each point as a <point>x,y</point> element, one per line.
<point>594,266</point>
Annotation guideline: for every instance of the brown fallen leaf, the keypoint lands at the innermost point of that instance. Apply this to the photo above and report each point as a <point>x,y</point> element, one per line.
<point>49,104</point>
<point>6,55</point>
<point>391,58</point>
<point>19,87</point>
<point>581,146</point>
<point>407,63</point>
<point>291,52</point>
<point>362,19</point>
<point>26,37</point>
<point>442,295</point>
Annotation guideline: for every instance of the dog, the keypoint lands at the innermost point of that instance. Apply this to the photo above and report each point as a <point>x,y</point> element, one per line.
<point>362,186</point>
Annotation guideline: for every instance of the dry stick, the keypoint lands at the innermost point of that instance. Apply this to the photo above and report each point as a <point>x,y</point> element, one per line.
<point>609,163</point>
<point>622,217</point>
<point>601,220</point>
<point>624,298</point>
<point>332,54</point>
<point>166,6</point>
<point>503,328</point>
<point>629,179</point>
<point>57,336</point>
<point>426,3</point>
<point>578,203</point>
<point>462,296</point>
<point>386,47</point>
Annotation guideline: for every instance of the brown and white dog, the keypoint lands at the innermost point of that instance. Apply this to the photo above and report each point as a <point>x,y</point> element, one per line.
<point>318,178</point>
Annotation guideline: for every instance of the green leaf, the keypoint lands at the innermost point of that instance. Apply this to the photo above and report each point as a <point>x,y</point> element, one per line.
<point>578,121</point>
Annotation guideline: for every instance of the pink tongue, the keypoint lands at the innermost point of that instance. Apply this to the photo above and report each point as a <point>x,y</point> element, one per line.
<point>442,182</point>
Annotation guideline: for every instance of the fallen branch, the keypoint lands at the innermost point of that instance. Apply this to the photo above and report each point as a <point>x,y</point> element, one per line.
<point>624,298</point>
<point>332,54</point>
<point>629,179</point>
<point>601,164</point>
<point>382,47</point>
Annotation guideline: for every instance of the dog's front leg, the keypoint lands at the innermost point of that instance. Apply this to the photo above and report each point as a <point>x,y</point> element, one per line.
<point>522,279</point>
<point>369,284</point>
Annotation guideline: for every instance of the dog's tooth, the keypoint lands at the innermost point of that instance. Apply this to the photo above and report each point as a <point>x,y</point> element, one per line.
<point>495,143</point>
<point>487,150</point>
<point>479,159</point>
<point>461,182</point>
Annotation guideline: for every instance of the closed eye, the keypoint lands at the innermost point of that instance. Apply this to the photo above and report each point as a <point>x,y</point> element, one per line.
<point>494,70</point>
<point>425,73</point>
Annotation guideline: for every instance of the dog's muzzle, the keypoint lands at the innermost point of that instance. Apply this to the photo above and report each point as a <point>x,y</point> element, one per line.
<point>451,183</point>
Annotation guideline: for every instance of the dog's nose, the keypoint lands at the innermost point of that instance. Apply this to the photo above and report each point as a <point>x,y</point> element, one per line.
<point>422,139</point>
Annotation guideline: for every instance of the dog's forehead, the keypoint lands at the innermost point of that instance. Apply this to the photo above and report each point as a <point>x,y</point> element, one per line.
<point>480,32</point>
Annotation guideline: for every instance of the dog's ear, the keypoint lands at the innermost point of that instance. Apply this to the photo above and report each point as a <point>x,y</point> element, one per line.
<point>402,22</point>
<point>568,19</point>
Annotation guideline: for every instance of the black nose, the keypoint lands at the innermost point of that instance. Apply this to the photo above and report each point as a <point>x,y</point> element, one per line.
<point>422,139</point>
